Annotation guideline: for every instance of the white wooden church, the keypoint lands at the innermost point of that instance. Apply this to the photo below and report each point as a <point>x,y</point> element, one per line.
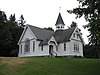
<point>36,41</point>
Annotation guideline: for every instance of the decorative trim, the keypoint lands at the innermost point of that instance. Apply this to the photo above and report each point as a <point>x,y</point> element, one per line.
<point>29,39</point>
<point>76,40</point>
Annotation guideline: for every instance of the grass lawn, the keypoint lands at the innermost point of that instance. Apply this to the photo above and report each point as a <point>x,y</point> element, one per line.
<point>49,66</point>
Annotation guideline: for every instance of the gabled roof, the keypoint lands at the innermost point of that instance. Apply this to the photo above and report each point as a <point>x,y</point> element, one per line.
<point>59,20</point>
<point>45,35</point>
<point>63,35</point>
<point>41,34</point>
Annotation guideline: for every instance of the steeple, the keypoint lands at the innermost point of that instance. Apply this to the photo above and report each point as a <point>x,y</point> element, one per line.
<point>59,23</point>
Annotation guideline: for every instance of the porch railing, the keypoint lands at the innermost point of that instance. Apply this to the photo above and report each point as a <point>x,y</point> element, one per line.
<point>54,53</point>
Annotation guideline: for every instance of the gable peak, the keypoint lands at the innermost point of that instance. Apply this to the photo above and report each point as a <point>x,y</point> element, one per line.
<point>59,20</point>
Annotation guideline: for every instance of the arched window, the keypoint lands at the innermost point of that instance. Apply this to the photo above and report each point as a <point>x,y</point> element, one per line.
<point>27,46</point>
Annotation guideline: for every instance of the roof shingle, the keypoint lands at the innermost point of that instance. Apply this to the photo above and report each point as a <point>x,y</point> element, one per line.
<point>63,35</point>
<point>45,35</point>
<point>41,34</point>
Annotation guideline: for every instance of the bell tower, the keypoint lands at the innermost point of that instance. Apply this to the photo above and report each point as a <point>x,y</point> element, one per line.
<point>59,23</point>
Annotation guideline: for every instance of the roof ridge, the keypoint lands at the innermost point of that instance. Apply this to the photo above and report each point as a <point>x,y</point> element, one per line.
<point>70,28</point>
<point>40,28</point>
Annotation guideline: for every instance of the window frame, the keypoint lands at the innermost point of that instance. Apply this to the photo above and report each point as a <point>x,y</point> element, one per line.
<point>27,46</point>
<point>76,47</point>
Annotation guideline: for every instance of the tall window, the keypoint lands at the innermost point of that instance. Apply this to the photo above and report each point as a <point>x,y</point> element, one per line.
<point>21,49</point>
<point>33,46</point>
<point>42,48</point>
<point>27,46</point>
<point>64,46</point>
<point>76,47</point>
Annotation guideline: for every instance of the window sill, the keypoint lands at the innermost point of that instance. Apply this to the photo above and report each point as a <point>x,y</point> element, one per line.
<point>76,51</point>
<point>26,52</point>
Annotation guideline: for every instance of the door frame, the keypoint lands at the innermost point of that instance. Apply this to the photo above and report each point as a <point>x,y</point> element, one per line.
<point>50,50</point>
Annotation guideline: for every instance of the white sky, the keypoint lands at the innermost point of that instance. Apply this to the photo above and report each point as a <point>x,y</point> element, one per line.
<point>43,13</point>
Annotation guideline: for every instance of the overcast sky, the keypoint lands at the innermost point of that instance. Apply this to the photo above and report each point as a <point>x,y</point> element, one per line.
<point>43,13</point>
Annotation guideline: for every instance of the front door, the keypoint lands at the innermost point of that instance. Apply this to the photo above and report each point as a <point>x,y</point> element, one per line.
<point>50,50</point>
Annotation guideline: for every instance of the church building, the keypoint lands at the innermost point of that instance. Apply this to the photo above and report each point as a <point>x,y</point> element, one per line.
<point>36,41</point>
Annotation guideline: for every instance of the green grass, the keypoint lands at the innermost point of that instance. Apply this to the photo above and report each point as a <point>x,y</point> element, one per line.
<point>49,66</point>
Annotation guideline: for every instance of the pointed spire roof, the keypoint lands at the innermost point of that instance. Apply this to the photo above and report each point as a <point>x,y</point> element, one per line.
<point>59,20</point>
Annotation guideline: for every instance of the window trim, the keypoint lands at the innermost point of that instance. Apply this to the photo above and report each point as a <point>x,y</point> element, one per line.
<point>76,47</point>
<point>27,46</point>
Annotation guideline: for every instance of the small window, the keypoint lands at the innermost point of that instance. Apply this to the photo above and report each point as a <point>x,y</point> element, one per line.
<point>42,48</point>
<point>77,36</point>
<point>74,35</point>
<point>64,46</point>
<point>33,46</point>
<point>76,31</point>
<point>58,27</point>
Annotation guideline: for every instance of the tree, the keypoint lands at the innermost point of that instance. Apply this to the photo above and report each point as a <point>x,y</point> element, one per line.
<point>90,9</point>
<point>9,37</point>
<point>74,24</point>
<point>6,40</point>
<point>3,19</point>
<point>15,31</point>
<point>89,51</point>
<point>21,22</point>
<point>49,28</point>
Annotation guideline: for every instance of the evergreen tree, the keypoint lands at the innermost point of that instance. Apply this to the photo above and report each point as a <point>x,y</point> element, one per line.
<point>21,22</point>
<point>3,19</point>
<point>16,32</point>
<point>89,51</point>
<point>74,24</point>
<point>9,37</point>
<point>49,28</point>
<point>90,9</point>
<point>6,40</point>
